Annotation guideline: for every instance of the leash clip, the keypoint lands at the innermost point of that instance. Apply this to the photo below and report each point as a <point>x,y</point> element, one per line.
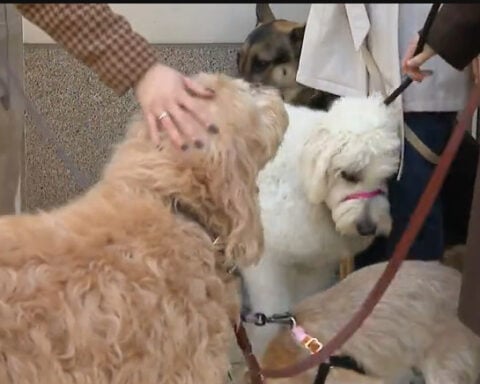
<point>283,318</point>
<point>260,319</point>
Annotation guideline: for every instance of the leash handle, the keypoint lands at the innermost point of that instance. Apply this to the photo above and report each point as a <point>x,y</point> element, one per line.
<point>420,45</point>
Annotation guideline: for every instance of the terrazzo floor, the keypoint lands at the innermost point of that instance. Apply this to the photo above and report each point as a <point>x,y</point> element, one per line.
<point>85,116</point>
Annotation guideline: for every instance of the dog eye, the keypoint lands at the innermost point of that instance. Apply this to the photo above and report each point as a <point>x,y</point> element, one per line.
<point>350,177</point>
<point>260,65</point>
<point>282,57</point>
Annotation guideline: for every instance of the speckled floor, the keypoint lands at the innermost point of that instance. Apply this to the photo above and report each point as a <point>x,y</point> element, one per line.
<point>85,116</point>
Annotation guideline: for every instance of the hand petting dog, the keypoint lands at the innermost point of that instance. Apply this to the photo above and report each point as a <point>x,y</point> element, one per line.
<point>176,103</point>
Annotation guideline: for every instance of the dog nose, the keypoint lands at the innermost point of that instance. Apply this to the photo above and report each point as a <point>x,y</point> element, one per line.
<point>366,228</point>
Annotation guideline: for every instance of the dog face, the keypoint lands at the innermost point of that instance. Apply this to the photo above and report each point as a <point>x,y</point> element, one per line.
<point>346,164</point>
<point>271,51</point>
<point>218,182</point>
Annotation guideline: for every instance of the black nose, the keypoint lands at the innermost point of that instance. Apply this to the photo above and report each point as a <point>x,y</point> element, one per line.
<point>366,227</point>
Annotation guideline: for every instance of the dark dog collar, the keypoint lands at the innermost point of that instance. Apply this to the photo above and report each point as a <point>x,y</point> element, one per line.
<point>345,362</point>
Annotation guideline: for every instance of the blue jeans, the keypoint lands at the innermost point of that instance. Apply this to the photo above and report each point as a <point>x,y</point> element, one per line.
<point>434,129</point>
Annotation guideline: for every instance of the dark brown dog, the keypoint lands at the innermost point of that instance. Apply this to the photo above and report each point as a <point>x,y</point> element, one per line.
<point>270,55</point>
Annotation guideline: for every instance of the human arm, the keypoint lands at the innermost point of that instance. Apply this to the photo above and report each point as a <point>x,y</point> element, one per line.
<point>123,60</point>
<point>454,35</point>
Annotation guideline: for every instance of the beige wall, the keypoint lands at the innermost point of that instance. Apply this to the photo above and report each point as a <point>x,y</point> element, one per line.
<point>189,23</point>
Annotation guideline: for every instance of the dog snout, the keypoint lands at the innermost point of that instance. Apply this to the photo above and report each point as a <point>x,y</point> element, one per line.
<point>366,227</point>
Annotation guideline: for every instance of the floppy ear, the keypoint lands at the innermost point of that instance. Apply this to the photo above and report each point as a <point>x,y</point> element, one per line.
<point>264,13</point>
<point>235,187</point>
<point>314,163</point>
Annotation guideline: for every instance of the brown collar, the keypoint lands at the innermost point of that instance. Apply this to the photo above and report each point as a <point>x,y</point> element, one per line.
<point>217,240</point>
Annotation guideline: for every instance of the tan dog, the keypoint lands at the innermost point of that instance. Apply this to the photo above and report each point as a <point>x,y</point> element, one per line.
<point>414,326</point>
<point>123,285</point>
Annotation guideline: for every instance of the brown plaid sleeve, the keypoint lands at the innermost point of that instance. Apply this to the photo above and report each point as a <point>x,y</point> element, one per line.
<point>97,37</point>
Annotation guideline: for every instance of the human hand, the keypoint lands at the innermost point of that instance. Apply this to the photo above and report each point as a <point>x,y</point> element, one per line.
<point>411,65</point>
<point>176,103</point>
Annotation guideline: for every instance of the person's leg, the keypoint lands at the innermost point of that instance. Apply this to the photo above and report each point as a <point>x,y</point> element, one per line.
<point>434,130</point>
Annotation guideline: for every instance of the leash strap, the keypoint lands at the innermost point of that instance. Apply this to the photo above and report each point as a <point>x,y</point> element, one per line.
<point>345,362</point>
<point>420,146</point>
<point>256,376</point>
<point>322,373</point>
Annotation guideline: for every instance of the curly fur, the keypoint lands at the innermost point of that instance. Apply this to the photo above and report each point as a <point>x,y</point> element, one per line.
<point>308,228</point>
<point>415,325</point>
<point>116,287</point>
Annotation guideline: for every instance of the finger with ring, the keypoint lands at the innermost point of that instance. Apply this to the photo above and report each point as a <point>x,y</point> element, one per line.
<point>162,115</point>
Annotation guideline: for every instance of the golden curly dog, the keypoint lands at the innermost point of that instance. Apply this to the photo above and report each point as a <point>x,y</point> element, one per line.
<point>123,284</point>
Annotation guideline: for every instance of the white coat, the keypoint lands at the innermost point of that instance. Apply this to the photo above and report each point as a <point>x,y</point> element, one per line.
<point>353,50</point>
<point>332,58</point>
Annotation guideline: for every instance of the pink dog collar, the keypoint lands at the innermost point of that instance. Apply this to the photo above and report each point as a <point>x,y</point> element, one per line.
<point>309,342</point>
<point>364,195</point>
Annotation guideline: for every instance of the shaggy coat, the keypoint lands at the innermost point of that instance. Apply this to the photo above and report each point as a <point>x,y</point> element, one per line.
<point>414,326</point>
<point>310,223</point>
<point>123,285</point>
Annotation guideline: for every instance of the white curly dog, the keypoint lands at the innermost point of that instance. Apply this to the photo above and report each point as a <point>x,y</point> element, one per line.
<point>323,198</point>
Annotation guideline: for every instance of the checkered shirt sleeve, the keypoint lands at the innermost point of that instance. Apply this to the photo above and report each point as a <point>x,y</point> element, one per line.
<point>98,37</point>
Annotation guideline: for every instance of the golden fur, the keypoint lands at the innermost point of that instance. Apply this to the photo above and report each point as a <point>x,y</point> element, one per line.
<point>415,325</point>
<point>116,287</point>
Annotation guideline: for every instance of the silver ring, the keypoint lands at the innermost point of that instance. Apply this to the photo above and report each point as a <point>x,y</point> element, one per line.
<point>162,116</point>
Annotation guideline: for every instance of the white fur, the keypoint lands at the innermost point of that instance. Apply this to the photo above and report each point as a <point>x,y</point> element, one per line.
<point>307,228</point>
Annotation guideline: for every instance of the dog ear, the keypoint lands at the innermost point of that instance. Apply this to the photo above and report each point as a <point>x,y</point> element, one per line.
<point>234,185</point>
<point>264,13</point>
<point>296,38</point>
<point>297,34</point>
<point>314,163</point>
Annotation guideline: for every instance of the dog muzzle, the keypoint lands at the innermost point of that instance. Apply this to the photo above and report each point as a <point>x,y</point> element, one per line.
<point>364,195</point>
